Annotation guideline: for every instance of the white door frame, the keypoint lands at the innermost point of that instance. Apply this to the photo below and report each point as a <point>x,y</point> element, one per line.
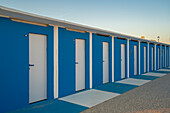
<point>56,62</point>
<point>139,57</point>
<point>127,58</point>
<point>112,58</point>
<point>90,42</point>
<point>148,56</point>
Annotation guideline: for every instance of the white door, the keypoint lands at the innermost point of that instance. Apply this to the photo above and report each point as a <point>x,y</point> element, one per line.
<point>167,57</point>
<point>80,64</point>
<point>135,60</point>
<point>158,57</point>
<point>163,57</point>
<point>38,68</point>
<point>144,59</point>
<point>152,58</point>
<point>105,62</point>
<point>122,61</point>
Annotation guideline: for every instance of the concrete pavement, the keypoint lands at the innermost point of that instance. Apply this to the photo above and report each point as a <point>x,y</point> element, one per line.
<point>152,97</point>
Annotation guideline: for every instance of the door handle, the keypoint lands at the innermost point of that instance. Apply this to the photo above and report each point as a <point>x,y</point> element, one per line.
<point>31,64</point>
<point>76,63</point>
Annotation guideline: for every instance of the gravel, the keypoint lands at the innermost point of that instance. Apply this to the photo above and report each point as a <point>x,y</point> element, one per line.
<point>152,97</point>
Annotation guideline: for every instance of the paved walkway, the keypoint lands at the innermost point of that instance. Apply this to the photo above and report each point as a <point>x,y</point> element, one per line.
<point>109,97</point>
<point>153,97</point>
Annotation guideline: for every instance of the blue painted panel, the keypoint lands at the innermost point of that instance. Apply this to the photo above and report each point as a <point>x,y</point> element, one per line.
<point>14,58</point>
<point>116,87</point>
<point>163,56</point>
<point>131,57</point>
<point>97,56</point>
<point>150,57</point>
<point>52,106</point>
<point>66,52</point>
<point>145,77</point>
<point>142,45</point>
<point>117,58</point>
<point>158,46</point>
<point>167,56</point>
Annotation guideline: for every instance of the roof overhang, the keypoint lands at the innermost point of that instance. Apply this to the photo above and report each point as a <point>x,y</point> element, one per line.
<point>12,13</point>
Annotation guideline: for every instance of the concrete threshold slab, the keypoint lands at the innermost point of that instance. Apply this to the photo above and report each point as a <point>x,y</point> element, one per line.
<point>89,98</point>
<point>133,81</point>
<point>155,74</point>
<point>168,70</point>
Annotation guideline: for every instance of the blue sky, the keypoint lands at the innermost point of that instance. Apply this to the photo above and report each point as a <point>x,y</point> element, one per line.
<point>148,18</point>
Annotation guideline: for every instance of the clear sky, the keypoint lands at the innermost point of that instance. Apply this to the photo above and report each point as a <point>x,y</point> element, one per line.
<point>149,18</point>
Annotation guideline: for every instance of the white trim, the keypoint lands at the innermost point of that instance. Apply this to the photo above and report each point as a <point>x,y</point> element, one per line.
<point>148,56</point>
<point>112,58</point>
<point>139,57</point>
<point>4,16</point>
<point>128,58</point>
<point>160,57</point>
<point>56,62</point>
<point>165,56</point>
<point>90,59</point>
<point>169,56</point>
<point>155,56</point>
<point>76,30</point>
<point>29,22</point>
